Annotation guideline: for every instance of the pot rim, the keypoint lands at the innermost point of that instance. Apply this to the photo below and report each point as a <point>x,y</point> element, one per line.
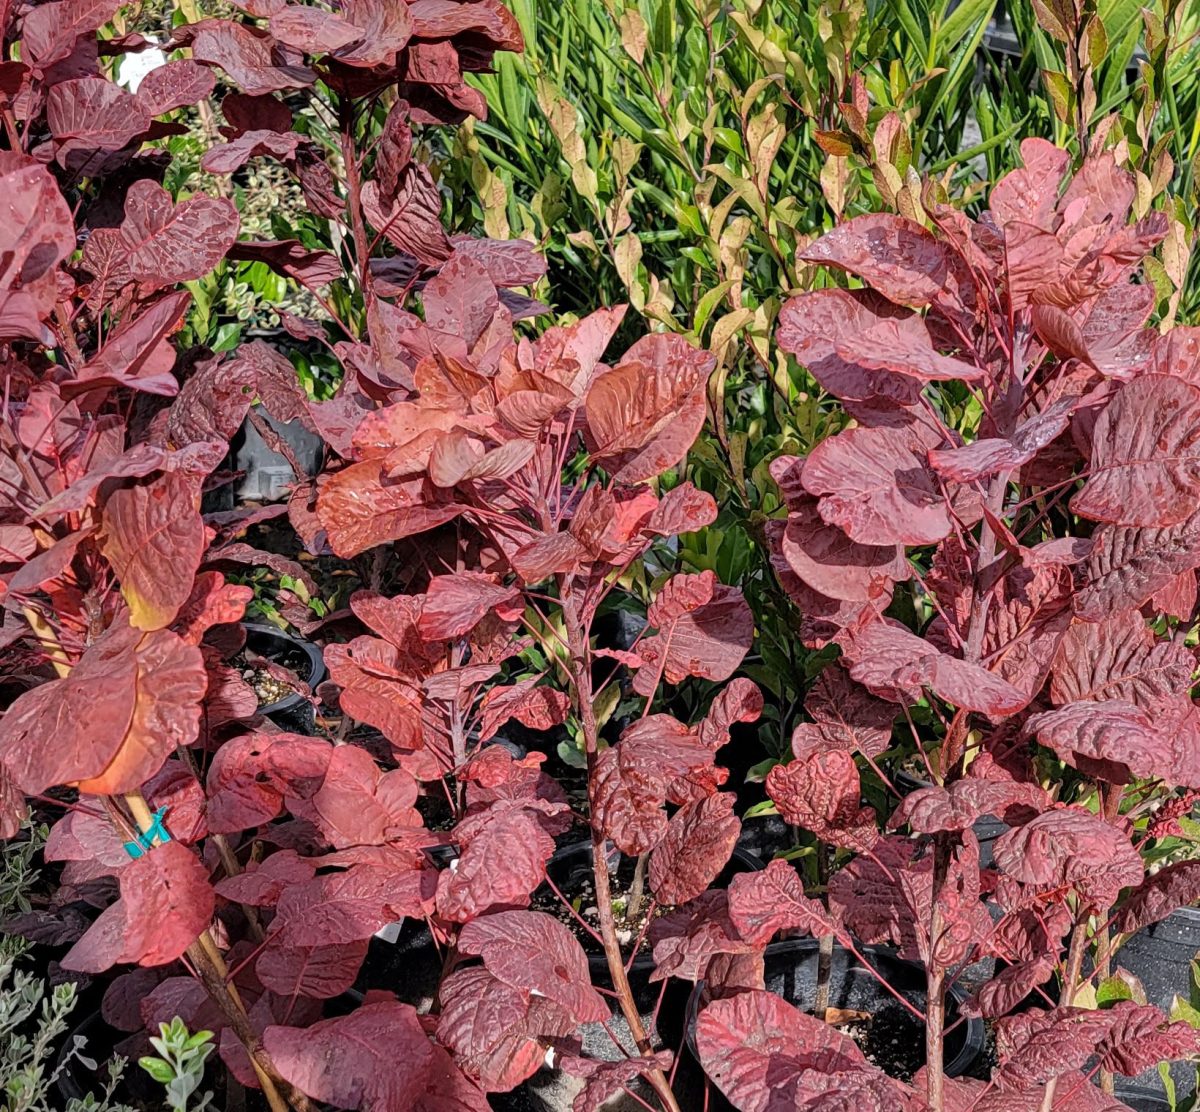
<point>974,1031</point>
<point>316,662</point>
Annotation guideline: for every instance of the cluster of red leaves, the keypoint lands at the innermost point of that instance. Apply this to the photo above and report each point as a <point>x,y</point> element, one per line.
<point>1054,550</point>
<point>289,852</point>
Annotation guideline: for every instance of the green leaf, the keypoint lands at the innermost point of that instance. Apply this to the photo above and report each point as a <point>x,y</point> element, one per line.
<point>158,1069</point>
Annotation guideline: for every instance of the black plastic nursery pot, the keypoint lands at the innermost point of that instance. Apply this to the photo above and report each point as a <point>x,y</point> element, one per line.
<point>293,712</point>
<point>791,972</point>
<point>1161,956</point>
<point>1142,1100</point>
<point>268,476</point>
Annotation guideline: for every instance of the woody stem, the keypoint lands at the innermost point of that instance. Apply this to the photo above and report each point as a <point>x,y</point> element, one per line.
<point>579,667</point>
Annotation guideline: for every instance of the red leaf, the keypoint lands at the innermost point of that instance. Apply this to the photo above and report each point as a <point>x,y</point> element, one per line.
<point>127,705</point>
<point>376,1059</point>
<point>845,716</point>
<point>290,258</point>
<point>504,855</point>
<point>350,906</point>
<point>764,903</point>
<point>1158,896</point>
<point>763,1054</point>
<point>633,777</point>
<point>831,563</point>
<point>137,355</point>
<point>177,84</point>
<point>263,885</point>
<point>1113,740</point>
<point>704,629</point>
<point>537,955</point>
<point>1119,659</point>
<point>740,700</point>
<point>1127,566</point>
<point>697,845</point>
<point>153,536</point>
<point>38,233</point>
<point>988,456</point>
<point>1030,194</point>
<point>1145,465</point>
<point>161,243</point>
<point>898,665</point>
<point>461,300</point>
<point>959,806</point>
<point>387,26</point>
<point>313,30</point>
<point>874,484</point>
<point>646,412</point>
<point>686,938</point>
<point>606,1079</point>
<point>821,793</point>
<point>357,804</point>
<point>456,604</point>
<point>497,1033</point>
<point>321,972</point>
<point>166,902</point>
<point>1071,848</point>
<point>251,775</point>
<point>249,56</point>
<point>900,259</point>
<point>905,347</point>
<point>539,708</point>
<point>810,327</point>
<point>360,508</point>
<point>212,602</point>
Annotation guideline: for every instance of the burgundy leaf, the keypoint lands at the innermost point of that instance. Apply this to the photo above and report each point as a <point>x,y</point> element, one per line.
<point>704,629</point>
<point>1071,848</point>
<point>496,1032</point>
<point>810,326</point>
<point>1145,465</point>
<point>166,902</point>
<point>762,904</point>
<point>91,115</point>
<point>412,220</point>
<point>821,793</point>
<point>699,840</point>
<point>249,57</point>
<point>263,885</point>
<point>177,84</point>
<point>350,906</point>
<point>646,412</point>
<point>455,604</point>
<point>376,1059</point>
<point>537,955</point>
<point>606,1079</point>
<point>898,665</point>
<point>250,776</point>
<point>290,258</point>
<point>959,806</point>
<point>49,32</point>
<point>539,708</point>
<point>873,483</point>
<point>687,938</point>
<point>1113,740</point>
